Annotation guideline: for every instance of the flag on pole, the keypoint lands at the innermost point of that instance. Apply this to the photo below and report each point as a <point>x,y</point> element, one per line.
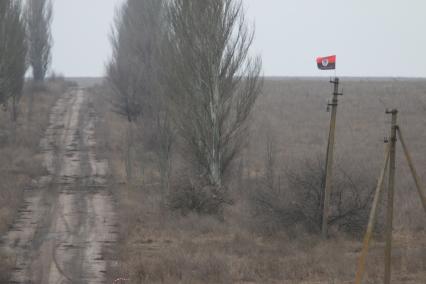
<point>327,63</point>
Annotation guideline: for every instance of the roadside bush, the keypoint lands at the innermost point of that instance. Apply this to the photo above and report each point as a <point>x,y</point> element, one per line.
<point>351,196</point>
<point>300,200</point>
<point>190,196</point>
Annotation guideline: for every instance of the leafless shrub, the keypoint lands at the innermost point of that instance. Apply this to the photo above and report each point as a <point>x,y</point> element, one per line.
<point>300,200</point>
<point>270,199</point>
<point>197,196</point>
<point>273,209</point>
<point>350,199</point>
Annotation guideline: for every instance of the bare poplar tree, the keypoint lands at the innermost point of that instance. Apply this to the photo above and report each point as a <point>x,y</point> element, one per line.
<point>213,81</point>
<point>134,68</point>
<point>39,17</point>
<point>135,74</point>
<point>13,51</point>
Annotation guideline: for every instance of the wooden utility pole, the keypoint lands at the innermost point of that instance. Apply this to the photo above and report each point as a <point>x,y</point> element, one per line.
<point>329,160</point>
<point>372,219</point>
<point>416,178</point>
<point>391,187</point>
<point>391,156</point>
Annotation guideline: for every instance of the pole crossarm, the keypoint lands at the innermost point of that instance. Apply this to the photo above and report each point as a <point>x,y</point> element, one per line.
<point>372,219</point>
<point>416,177</point>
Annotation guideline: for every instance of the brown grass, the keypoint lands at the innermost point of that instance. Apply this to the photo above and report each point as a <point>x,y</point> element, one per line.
<point>20,159</point>
<point>164,247</point>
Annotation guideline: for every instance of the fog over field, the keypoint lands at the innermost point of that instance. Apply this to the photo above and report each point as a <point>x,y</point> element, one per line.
<point>212,141</point>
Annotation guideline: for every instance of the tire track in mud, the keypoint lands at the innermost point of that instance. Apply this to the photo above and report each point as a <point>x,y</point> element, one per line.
<point>67,222</point>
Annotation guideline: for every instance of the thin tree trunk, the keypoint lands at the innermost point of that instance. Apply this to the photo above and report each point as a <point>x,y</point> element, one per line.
<point>215,163</point>
<point>129,153</point>
<point>30,107</point>
<point>14,119</point>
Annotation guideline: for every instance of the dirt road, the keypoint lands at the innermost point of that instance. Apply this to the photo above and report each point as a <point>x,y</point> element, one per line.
<point>67,222</point>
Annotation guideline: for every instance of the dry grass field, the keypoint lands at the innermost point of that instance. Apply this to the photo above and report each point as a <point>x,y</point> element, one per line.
<point>245,247</point>
<point>20,157</point>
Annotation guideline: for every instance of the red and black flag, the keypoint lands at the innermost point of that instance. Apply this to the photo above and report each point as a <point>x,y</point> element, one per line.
<point>327,63</point>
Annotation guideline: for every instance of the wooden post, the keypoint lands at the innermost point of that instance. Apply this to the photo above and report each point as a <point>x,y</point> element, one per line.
<point>391,188</point>
<point>329,160</point>
<point>391,157</point>
<point>371,220</point>
<point>419,186</point>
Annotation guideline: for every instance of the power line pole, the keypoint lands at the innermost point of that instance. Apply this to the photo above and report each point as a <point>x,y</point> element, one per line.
<point>391,156</point>
<point>329,160</point>
<point>391,188</point>
<point>372,219</point>
<point>413,170</point>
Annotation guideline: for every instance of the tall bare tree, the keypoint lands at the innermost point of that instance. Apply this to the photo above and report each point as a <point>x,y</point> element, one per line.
<point>134,70</point>
<point>135,74</point>
<point>213,81</point>
<point>39,17</point>
<point>13,51</point>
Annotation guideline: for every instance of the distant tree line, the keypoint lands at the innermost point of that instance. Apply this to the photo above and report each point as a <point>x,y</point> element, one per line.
<point>182,67</point>
<point>25,41</point>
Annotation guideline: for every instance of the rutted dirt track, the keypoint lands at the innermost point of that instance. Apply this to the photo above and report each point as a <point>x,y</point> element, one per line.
<point>67,222</point>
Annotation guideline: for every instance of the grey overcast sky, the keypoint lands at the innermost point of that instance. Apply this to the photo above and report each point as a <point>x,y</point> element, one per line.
<point>370,37</point>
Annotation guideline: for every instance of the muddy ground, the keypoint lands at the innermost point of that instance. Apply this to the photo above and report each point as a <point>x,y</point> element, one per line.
<point>67,222</point>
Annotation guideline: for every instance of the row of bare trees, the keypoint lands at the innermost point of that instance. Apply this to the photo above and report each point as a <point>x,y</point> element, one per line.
<point>24,40</point>
<point>182,69</point>
<point>182,74</point>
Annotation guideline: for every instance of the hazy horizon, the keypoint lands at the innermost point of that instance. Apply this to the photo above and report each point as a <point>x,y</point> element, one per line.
<point>284,77</point>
